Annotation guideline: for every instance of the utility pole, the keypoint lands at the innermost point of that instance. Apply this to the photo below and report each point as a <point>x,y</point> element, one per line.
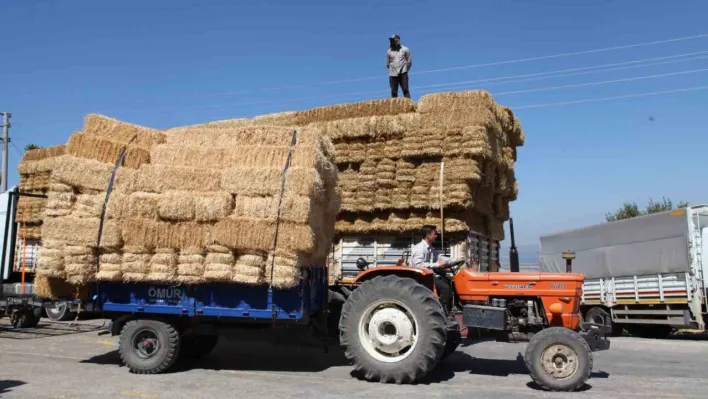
<point>5,148</point>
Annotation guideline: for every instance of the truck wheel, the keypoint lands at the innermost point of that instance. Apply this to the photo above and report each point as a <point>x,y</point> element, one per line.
<point>60,311</point>
<point>197,346</point>
<point>559,359</point>
<point>148,346</point>
<point>393,329</point>
<point>599,315</point>
<point>27,319</point>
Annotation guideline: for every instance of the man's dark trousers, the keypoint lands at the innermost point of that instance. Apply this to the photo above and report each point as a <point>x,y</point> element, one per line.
<point>402,80</point>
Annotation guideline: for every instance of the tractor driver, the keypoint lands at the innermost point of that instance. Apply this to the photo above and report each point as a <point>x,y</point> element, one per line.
<point>424,255</point>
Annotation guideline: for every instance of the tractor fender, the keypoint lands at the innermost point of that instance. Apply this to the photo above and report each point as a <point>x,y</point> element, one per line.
<point>424,277</point>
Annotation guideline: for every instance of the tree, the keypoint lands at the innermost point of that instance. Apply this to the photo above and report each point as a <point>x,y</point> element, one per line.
<point>630,209</point>
<point>31,146</point>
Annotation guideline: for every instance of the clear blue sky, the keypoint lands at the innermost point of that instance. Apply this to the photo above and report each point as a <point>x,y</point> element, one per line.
<point>169,63</point>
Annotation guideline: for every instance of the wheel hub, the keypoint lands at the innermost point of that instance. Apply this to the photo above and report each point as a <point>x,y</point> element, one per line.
<point>146,344</point>
<point>559,361</point>
<point>387,331</point>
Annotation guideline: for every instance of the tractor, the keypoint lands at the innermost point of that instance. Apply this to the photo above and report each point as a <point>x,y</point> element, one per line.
<point>394,329</point>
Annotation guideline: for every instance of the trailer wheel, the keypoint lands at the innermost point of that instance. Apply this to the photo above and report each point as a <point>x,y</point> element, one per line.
<point>149,346</point>
<point>393,329</point>
<point>599,315</point>
<point>60,311</point>
<point>197,346</point>
<point>559,359</point>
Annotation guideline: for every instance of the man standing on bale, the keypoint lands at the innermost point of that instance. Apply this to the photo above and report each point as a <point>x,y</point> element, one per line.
<point>398,62</point>
<point>424,256</point>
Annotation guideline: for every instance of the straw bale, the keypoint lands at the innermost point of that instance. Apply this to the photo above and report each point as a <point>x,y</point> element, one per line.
<point>121,132</point>
<point>88,205</point>
<point>82,231</point>
<point>213,157</point>
<point>130,257</point>
<point>189,279</point>
<point>142,205</point>
<point>33,231</point>
<point>162,178</point>
<point>385,127</point>
<point>422,143</point>
<point>60,188</point>
<point>111,258</point>
<point>257,261</point>
<point>458,101</point>
<point>49,287</point>
<point>176,206</point>
<point>389,106</point>
<point>29,210</point>
<point>214,257</point>
<point>82,145</point>
<point>152,234</point>
<point>286,118</point>
<point>210,207</point>
<point>109,275</point>
<point>351,152</point>
<point>164,259</point>
<point>90,174</point>
<point>267,181</point>
<point>294,209</point>
<point>226,123</point>
<point>393,148</point>
<point>191,258</point>
<point>258,234</point>
<point>190,269</point>
<point>73,250</point>
<point>218,272</point>
<point>204,136</point>
<point>35,183</point>
<point>248,270</point>
<point>49,243</point>
<point>38,154</point>
<point>51,259</point>
<point>35,167</point>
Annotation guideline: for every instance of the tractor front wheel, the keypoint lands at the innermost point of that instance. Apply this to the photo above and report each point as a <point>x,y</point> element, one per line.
<point>559,359</point>
<point>393,330</point>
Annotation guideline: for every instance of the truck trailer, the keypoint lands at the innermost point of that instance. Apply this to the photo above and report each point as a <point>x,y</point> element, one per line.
<point>646,274</point>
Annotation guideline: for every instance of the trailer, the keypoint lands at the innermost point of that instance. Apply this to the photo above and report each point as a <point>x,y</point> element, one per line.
<point>647,274</point>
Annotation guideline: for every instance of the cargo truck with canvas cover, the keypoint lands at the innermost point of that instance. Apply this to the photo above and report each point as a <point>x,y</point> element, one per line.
<point>645,274</point>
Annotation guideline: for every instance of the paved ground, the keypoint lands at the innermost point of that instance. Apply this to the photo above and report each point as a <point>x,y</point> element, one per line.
<point>61,361</point>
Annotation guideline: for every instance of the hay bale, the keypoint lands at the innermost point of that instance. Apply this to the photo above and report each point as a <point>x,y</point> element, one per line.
<point>210,207</point>
<point>82,231</point>
<point>163,266</point>
<point>161,179</point>
<point>48,287</point>
<point>294,208</point>
<point>90,174</point>
<point>213,157</point>
<point>176,206</point>
<point>370,127</point>
<point>229,137</point>
<point>122,132</point>
<point>143,205</point>
<point>83,145</point>
<point>267,181</point>
<point>190,267</point>
<point>219,266</point>
<point>389,106</point>
<point>36,167</point>
<point>51,262</point>
<point>258,234</point>
<point>88,205</point>
<point>39,154</point>
<point>154,234</point>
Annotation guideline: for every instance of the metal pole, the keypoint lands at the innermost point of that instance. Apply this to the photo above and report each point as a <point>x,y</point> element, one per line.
<point>5,148</point>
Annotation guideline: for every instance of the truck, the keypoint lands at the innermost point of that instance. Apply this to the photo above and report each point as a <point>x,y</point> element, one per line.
<point>647,275</point>
<point>387,319</point>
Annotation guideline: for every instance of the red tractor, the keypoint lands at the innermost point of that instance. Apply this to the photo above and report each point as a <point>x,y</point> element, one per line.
<point>394,328</point>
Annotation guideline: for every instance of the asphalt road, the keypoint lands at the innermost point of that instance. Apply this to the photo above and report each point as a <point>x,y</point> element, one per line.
<point>57,360</point>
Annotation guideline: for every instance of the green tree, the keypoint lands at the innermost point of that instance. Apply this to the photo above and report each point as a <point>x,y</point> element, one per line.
<point>630,209</point>
<point>31,146</point>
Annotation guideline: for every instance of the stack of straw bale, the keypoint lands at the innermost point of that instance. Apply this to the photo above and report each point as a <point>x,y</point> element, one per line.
<point>389,154</point>
<point>35,170</point>
<point>189,205</point>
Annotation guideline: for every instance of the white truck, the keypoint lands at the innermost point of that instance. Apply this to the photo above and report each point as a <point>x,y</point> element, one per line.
<point>646,274</point>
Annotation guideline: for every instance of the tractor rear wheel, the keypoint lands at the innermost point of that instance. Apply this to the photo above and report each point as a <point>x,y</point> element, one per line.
<point>559,359</point>
<point>393,330</point>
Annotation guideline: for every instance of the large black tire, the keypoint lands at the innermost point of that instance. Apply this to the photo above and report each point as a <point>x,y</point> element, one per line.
<point>161,350</point>
<point>454,338</point>
<point>412,307</point>
<point>60,311</point>
<point>197,346</point>
<point>28,319</point>
<point>559,359</point>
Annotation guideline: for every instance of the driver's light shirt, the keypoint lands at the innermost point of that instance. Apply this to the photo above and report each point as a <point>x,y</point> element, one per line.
<point>425,256</point>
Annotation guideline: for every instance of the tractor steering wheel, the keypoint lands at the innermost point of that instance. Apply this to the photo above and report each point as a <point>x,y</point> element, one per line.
<point>453,267</point>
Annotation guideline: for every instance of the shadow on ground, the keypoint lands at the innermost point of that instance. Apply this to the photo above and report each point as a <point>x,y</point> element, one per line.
<point>45,329</point>
<point>252,357</point>
<point>7,385</point>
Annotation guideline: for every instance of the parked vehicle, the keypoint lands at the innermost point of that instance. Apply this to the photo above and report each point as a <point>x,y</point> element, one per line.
<point>647,274</point>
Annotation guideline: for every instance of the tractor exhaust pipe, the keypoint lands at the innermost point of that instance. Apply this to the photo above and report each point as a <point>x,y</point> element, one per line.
<point>513,253</point>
